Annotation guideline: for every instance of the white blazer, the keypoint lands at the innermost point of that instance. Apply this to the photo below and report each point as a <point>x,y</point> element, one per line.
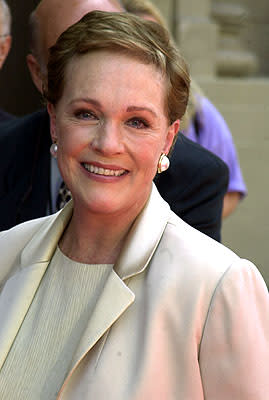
<point>181,317</point>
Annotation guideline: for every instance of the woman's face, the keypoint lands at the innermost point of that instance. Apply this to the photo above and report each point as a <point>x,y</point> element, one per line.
<point>111,128</point>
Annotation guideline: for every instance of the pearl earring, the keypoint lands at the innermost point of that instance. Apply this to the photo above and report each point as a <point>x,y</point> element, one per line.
<point>163,163</point>
<point>53,150</point>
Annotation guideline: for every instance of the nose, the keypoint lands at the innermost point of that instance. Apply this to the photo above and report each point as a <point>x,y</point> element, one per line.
<point>108,139</point>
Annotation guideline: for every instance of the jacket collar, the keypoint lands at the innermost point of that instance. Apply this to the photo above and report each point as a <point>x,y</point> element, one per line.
<point>143,237</point>
<point>140,244</point>
<point>41,247</point>
<point>20,289</point>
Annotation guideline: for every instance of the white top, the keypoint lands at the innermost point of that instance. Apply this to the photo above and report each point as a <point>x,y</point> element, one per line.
<point>39,359</point>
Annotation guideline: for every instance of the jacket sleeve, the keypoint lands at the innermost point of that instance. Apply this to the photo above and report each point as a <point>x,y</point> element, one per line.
<point>234,351</point>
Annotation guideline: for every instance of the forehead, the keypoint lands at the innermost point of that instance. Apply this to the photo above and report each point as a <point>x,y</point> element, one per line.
<point>98,60</point>
<point>114,75</point>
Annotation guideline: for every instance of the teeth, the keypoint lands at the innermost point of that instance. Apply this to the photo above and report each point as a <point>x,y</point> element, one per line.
<point>102,171</point>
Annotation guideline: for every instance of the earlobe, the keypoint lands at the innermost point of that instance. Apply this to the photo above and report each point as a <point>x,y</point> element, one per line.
<point>52,114</point>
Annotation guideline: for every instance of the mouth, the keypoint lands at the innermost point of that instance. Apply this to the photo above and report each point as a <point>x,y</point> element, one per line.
<point>103,171</point>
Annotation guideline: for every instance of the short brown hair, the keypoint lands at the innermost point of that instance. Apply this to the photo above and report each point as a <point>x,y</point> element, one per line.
<point>122,32</point>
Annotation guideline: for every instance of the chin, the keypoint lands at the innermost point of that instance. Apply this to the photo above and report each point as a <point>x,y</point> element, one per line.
<point>100,204</point>
<point>111,201</point>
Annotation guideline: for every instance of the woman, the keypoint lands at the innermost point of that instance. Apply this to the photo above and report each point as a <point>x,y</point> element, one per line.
<point>114,296</point>
<point>202,122</point>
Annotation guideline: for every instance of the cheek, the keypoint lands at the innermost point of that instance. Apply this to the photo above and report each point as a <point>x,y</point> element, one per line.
<point>148,158</point>
<point>70,140</point>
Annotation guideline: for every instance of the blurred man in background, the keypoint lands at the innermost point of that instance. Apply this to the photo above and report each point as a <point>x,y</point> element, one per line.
<point>5,42</point>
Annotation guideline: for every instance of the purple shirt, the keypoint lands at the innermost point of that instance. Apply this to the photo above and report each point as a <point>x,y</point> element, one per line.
<point>216,137</point>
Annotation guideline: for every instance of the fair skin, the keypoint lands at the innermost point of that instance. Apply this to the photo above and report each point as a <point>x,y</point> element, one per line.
<point>230,202</point>
<point>111,129</point>
<point>5,44</point>
<point>54,17</point>
<point>5,40</point>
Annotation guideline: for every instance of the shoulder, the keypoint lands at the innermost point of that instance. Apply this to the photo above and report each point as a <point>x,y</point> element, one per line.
<point>189,268</point>
<point>201,266</point>
<point>191,162</point>
<point>207,260</point>
<point>17,128</point>
<point>195,156</point>
<point>202,270</point>
<point>5,116</point>
<point>14,240</point>
<point>194,185</point>
<point>20,137</point>
<point>195,252</point>
<point>22,233</point>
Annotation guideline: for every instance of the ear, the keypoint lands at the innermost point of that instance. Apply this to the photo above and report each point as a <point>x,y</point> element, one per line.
<point>35,71</point>
<point>53,130</point>
<point>5,44</point>
<point>171,135</point>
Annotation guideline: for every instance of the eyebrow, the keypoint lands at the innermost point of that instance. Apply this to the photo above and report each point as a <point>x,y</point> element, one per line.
<point>130,109</point>
<point>87,100</point>
<point>136,108</point>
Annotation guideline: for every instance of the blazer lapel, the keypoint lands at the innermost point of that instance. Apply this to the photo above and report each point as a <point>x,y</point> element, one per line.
<point>116,297</point>
<point>135,256</point>
<point>19,290</point>
<point>112,303</point>
<point>16,297</point>
<point>143,237</point>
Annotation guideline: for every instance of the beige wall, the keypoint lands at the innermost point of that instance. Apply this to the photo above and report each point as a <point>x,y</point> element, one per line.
<point>244,103</point>
<point>256,33</point>
<point>245,106</point>
<point>166,8</point>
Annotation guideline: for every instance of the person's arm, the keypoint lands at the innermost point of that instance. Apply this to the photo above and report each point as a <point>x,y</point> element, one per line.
<point>234,350</point>
<point>230,202</point>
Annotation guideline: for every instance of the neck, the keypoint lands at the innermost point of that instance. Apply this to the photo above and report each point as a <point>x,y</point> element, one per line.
<point>96,239</point>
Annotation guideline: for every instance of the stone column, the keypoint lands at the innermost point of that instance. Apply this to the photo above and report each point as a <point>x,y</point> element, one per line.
<point>196,35</point>
<point>232,58</point>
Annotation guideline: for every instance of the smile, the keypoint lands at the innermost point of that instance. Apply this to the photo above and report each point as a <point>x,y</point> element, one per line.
<point>103,171</point>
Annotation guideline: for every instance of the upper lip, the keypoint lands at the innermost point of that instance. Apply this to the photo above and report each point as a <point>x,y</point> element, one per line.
<point>104,166</point>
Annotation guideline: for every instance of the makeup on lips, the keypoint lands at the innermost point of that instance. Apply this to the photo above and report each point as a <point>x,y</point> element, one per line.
<point>104,171</point>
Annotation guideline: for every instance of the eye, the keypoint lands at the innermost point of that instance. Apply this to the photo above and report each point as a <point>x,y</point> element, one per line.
<point>138,123</point>
<point>86,115</point>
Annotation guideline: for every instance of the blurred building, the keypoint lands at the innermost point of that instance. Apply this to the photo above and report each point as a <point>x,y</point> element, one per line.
<point>226,45</point>
<point>221,37</point>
